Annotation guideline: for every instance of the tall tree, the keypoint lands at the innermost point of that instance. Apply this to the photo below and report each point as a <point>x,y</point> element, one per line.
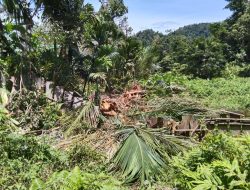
<point>238,7</point>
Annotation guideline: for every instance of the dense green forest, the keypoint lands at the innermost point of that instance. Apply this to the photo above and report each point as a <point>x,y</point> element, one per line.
<point>146,37</point>
<point>87,104</point>
<point>194,30</point>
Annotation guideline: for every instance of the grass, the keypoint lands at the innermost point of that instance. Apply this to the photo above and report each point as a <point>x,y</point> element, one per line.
<point>219,93</point>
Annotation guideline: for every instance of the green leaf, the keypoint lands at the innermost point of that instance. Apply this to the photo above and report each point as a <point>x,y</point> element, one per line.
<point>205,185</point>
<point>37,184</point>
<point>140,162</point>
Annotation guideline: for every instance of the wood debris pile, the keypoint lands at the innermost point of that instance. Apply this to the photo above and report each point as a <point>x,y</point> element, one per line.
<point>121,105</point>
<point>115,104</point>
<point>159,122</point>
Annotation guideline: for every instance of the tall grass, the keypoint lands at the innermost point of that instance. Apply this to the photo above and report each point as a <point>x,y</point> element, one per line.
<point>220,93</point>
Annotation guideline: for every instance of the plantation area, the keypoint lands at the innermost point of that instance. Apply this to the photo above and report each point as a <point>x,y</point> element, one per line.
<point>85,104</point>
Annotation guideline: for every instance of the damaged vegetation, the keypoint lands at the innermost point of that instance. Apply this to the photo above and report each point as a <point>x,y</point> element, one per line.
<point>84,104</point>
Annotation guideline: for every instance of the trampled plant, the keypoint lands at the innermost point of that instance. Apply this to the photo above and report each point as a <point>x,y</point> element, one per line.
<point>4,97</point>
<point>33,111</point>
<point>88,116</point>
<point>6,122</point>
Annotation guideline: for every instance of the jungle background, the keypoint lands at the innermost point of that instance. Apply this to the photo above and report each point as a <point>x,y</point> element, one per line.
<point>107,141</point>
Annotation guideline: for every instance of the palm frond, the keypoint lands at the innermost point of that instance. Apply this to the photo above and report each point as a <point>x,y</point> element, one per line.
<point>98,76</point>
<point>144,154</point>
<point>171,145</point>
<point>175,107</point>
<point>87,117</point>
<point>136,160</point>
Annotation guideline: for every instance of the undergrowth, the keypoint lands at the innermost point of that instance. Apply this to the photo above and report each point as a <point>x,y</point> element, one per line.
<point>22,158</point>
<point>34,111</point>
<point>218,93</point>
<point>219,162</point>
<point>77,180</point>
<point>27,163</point>
<point>233,94</point>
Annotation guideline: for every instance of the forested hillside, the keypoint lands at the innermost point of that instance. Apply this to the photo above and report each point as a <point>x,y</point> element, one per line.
<point>193,30</point>
<point>189,31</point>
<point>147,36</point>
<point>203,50</point>
<point>86,105</point>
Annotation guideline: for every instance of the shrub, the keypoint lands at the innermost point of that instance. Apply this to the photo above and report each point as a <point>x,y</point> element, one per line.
<point>220,162</point>
<point>85,157</point>
<point>76,180</point>
<point>33,111</point>
<point>22,158</point>
<point>164,83</point>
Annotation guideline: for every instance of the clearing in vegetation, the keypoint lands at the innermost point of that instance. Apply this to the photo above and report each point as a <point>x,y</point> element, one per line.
<point>87,105</point>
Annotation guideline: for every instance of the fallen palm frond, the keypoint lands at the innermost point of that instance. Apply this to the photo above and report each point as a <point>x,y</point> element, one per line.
<point>100,140</point>
<point>136,160</point>
<point>86,117</point>
<point>170,145</point>
<point>144,154</point>
<point>175,107</point>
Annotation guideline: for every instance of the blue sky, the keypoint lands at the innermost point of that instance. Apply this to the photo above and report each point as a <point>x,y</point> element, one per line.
<point>162,15</point>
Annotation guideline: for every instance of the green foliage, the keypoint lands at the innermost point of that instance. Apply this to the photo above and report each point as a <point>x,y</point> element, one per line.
<point>23,158</point>
<point>117,8</point>
<point>147,36</point>
<point>76,47</point>
<point>245,72</point>
<point>150,58</point>
<point>237,7</point>
<point>221,93</point>
<point>16,146</point>
<point>86,158</point>
<point>193,30</point>
<point>164,83</point>
<point>205,58</point>
<point>219,162</point>
<point>33,111</point>
<point>76,180</point>
<point>199,57</point>
<point>232,71</point>
<point>66,14</point>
